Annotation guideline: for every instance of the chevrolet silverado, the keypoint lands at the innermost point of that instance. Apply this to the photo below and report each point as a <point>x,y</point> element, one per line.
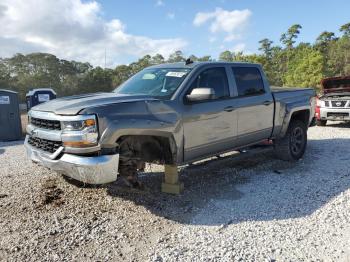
<point>169,114</point>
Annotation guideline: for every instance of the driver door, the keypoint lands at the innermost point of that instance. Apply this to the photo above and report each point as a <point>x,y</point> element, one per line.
<point>210,125</point>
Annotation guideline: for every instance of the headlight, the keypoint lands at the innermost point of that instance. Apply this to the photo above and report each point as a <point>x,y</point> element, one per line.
<point>80,132</point>
<point>320,103</point>
<point>78,125</point>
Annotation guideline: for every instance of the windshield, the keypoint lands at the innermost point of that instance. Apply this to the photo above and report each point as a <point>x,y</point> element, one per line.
<point>156,82</point>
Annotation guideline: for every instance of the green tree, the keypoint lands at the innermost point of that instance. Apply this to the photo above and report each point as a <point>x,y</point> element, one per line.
<point>157,59</point>
<point>205,58</point>
<point>266,47</point>
<point>177,56</point>
<point>345,29</point>
<point>337,58</point>
<point>120,74</point>
<point>288,38</point>
<point>305,68</point>
<point>325,37</point>
<point>226,56</point>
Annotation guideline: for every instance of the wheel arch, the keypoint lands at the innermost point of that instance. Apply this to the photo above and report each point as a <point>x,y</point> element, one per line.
<point>300,113</point>
<point>151,148</point>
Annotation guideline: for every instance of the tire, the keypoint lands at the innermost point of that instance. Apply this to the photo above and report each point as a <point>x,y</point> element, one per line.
<point>321,122</point>
<point>292,146</point>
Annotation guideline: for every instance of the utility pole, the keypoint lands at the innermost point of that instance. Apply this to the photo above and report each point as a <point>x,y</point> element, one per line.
<point>105,67</point>
<point>105,57</point>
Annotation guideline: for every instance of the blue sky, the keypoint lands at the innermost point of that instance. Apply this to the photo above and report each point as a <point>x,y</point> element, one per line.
<point>269,19</point>
<point>84,29</point>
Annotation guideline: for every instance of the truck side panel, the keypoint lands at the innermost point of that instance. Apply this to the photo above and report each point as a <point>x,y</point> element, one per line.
<point>289,101</point>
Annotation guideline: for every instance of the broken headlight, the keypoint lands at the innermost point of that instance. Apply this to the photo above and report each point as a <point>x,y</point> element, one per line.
<point>80,132</point>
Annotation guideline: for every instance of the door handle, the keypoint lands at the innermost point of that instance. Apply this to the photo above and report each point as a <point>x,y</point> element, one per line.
<point>229,108</point>
<point>267,103</point>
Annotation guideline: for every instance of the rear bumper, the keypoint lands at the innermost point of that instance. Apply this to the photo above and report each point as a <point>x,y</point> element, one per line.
<point>324,114</point>
<point>91,170</point>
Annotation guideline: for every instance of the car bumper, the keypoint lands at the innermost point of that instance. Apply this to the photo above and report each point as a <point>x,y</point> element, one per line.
<point>335,114</point>
<point>91,170</point>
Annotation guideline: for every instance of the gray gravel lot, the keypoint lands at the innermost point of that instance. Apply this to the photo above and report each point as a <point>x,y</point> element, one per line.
<point>246,208</point>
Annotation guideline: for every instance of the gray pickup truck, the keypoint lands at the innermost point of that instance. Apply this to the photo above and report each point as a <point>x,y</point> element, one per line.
<point>170,114</point>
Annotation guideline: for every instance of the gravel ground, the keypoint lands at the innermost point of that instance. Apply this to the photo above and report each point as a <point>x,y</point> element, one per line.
<point>249,207</point>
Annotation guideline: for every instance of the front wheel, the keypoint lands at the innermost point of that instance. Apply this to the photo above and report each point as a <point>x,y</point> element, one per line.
<point>292,146</point>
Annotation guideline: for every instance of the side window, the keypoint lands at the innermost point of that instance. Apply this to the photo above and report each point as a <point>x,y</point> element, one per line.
<point>249,81</point>
<point>214,78</point>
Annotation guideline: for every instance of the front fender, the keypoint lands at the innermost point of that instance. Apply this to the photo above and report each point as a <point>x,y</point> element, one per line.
<point>153,118</point>
<point>146,127</point>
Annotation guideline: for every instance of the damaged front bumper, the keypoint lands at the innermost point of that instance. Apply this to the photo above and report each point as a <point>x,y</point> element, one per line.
<point>87,169</point>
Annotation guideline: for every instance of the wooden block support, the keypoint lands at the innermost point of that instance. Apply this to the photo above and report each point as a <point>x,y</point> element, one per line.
<point>171,182</point>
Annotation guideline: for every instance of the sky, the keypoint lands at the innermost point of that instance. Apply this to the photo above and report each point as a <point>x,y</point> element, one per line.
<point>123,31</point>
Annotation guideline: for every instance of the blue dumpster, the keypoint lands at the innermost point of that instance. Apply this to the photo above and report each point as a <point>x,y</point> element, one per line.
<point>10,118</point>
<point>37,96</point>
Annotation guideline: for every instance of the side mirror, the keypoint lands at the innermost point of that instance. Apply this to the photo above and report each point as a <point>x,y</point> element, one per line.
<point>200,94</point>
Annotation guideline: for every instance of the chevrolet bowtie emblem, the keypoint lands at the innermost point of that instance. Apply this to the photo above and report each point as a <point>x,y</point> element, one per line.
<point>33,133</point>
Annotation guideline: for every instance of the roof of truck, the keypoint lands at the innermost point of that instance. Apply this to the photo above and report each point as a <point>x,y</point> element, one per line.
<point>195,64</point>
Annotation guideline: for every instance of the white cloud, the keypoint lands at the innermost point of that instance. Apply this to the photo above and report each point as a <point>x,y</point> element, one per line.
<point>240,47</point>
<point>73,29</point>
<point>232,37</point>
<point>201,18</point>
<point>159,3</point>
<point>170,16</point>
<point>232,23</point>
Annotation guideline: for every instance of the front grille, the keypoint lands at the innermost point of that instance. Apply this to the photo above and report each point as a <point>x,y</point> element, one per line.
<point>338,103</point>
<point>326,103</point>
<point>337,114</point>
<point>46,124</point>
<point>45,145</point>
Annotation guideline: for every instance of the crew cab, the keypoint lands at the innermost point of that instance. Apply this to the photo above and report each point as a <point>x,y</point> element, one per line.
<point>170,114</point>
<point>334,103</point>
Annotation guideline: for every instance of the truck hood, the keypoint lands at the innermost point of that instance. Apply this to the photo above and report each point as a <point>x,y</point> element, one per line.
<point>72,105</point>
<point>336,85</point>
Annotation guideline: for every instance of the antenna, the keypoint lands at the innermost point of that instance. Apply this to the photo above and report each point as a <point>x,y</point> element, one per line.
<point>188,61</point>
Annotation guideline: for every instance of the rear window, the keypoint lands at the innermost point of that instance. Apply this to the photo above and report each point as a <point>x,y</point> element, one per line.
<point>249,81</point>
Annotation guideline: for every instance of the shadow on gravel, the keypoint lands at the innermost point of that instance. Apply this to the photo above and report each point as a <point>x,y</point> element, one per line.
<point>249,187</point>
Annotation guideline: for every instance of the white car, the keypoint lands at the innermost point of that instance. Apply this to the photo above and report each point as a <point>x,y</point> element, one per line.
<point>334,104</point>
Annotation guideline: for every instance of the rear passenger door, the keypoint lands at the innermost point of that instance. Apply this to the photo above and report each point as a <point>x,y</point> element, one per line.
<point>255,106</point>
<point>210,125</point>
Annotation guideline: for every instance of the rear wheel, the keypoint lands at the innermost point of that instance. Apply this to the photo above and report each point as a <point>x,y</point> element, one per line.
<point>321,122</point>
<point>292,146</point>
